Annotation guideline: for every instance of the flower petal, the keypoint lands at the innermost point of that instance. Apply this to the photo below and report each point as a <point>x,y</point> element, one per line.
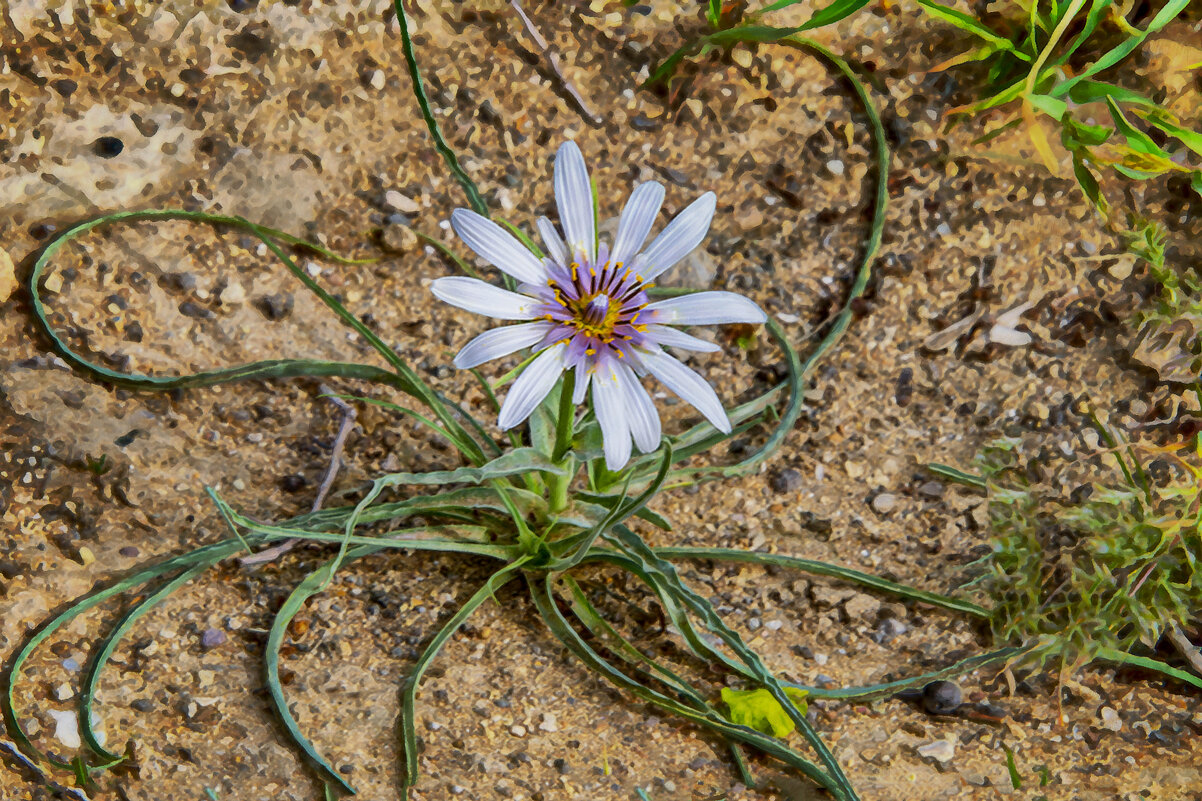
<point>574,197</point>
<point>672,338</point>
<point>684,233</point>
<point>637,218</point>
<point>641,414</point>
<point>477,296</point>
<point>496,246</point>
<point>582,381</point>
<point>706,308</point>
<point>531,386</point>
<point>555,246</point>
<point>500,342</point>
<point>610,408</point>
<point>691,387</point>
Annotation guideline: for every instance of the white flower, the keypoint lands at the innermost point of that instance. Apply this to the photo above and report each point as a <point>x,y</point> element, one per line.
<point>587,309</point>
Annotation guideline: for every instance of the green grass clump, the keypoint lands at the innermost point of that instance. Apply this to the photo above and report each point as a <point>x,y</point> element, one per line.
<point>1103,570</point>
<point>1169,327</point>
<point>1047,59</point>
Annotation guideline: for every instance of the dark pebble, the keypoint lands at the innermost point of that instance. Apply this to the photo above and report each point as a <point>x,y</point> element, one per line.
<point>787,480</point>
<point>184,282</point>
<point>931,489</point>
<point>9,569</point>
<point>241,5</point>
<point>142,705</point>
<point>887,629</point>
<point>65,86</point>
<point>275,307</point>
<point>190,309</point>
<point>134,332</point>
<point>211,638</point>
<point>941,698</point>
<point>41,230</point>
<point>128,551</point>
<point>293,482</point>
<point>108,146</point>
<point>643,123</point>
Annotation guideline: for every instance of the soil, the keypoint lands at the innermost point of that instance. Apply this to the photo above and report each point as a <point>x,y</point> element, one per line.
<point>300,115</point>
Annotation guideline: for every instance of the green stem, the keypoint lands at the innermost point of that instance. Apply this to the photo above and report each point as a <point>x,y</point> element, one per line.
<point>565,425</point>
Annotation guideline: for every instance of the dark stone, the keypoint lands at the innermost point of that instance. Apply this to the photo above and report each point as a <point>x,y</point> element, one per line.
<point>293,482</point>
<point>134,332</point>
<point>65,86</point>
<point>275,307</point>
<point>107,147</point>
<point>195,310</point>
<point>941,697</point>
<point>787,480</point>
<point>128,551</point>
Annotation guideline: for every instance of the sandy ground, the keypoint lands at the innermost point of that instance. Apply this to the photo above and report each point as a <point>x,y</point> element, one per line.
<point>301,116</point>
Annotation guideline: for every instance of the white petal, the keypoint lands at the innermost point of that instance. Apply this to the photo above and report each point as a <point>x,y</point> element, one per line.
<point>637,218</point>
<point>574,197</point>
<point>683,234</point>
<point>691,387</point>
<point>555,247</point>
<point>641,415</point>
<point>500,342</point>
<point>679,339</point>
<point>707,308</point>
<point>610,408</point>
<point>582,381</point>
<point>532,386</point>
<point>496,246</point>
<point>477,296</point>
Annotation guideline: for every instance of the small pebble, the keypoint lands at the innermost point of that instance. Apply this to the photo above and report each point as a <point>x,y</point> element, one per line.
<point>66,728</point>
<point>211,638</point>
<point>941,697</point>
<point>128,551</point>
<point>940,750</point>
<point>517,730</point>
<point>550,723</point>
<point>403,203</point>
<point>107,147</point>
<point>884,503</point>
<point>787,480</point>
<point>835,166</point>
<point>1110,719</point>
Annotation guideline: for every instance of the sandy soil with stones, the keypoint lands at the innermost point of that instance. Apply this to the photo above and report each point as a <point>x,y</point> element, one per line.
<point>300,116</point>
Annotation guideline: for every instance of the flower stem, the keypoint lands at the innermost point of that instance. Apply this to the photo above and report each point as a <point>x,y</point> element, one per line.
<point>564,426</point>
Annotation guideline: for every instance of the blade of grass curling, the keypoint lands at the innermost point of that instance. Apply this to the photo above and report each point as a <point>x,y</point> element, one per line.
<point>101,656</point>
<point>311,585</point>
<point>540,591</point>
<point>1122,658</point>
<point>630,543</point>
<point>413,681</point>
<point>440,144</point>
<point>600,628</point>
<point>826,569</point>
<point>12,673</point>
<point>401,377</point>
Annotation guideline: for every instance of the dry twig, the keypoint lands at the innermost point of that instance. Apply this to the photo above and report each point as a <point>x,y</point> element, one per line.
<point>553,61</point>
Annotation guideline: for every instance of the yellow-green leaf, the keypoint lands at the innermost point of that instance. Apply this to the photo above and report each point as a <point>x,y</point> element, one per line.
<point>758,710</point>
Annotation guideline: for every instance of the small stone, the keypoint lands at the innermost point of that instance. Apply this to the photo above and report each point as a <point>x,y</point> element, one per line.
<point>787,480</point>
<point>549,723</point>
<point>939,750</point>
<point>861,607</point>
<point>397,202</point>
<point>66,728</point>
<point>86,557</point>
<point>184,282</point>
<point>107,147</point>
<point>774,625</point>
<point>376,80</point>
<point>941,697</point>
<point>233,294</point>
<point>128,551</point>
<point>884,503</point>
<point>275,307</point>
<point>194,310</point>
<point>63,692</point>
<point>887,630</point>
<point>70,664</point>
<point>211,638</point>
<point>931,489</point>
<point>517,730</point>
<point>1110,719</point>
<point>835,166</point>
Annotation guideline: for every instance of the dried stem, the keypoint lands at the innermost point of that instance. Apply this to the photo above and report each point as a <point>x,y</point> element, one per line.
<point>553,61</point>
<point>1191,652</point>
<point>327,480</point>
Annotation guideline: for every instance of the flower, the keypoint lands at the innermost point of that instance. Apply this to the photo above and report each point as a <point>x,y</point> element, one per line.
<point>587,309</point>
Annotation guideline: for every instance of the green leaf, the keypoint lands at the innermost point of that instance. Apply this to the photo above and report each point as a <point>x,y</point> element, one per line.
<point>1094,91</point>
<point>1016,781</point>
<point>1118,53</point>
<point>713,13</point>
<point>758,710</point>
<point>1052,106</point>
<point>1076,135</point>
<point>511,463</point>
<point>1195,182</point>
<point>971,25</point>
<point>1136,139</point>
<point>1089,184</point>
<point>839,9</point>
<point>1191,139</point>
